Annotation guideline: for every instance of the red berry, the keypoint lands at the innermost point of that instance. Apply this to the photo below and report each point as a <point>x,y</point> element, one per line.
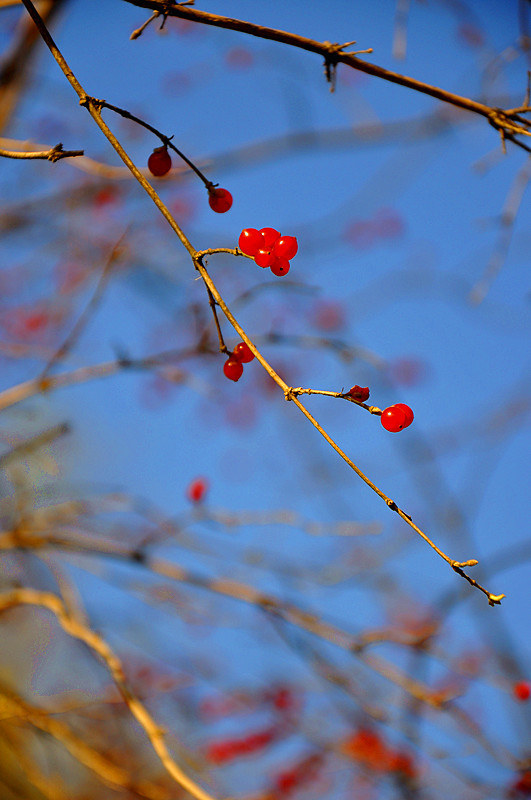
<point>219,200</point>
<point>395,419</point>
<point>360,393</point>
<point>280,266</point>
<point>159,162</point>
<point>264,258</point>
<point>522,691</point>
<point>407,411</point>
<point>242,352</point>
<point>269,237</point>
<point>286,247</point>
<point>197,490</point>
<point>233,369</point>
<point>250,241</point>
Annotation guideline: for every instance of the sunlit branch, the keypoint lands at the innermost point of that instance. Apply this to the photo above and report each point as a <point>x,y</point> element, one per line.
<point>27,596</point>
<point>505,122</point>
<point>54,154</point>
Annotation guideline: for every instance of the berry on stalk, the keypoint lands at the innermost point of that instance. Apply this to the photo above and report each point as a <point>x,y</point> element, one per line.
<point>286,246</point>
<point>264,258</point>
<point>219,200</point>
<point>159,162</point>
<point>243,353</point>
<point>396,418</point>
<point>280,266</point>
<point>407,411</point>
<point>233,369</point>
<point>250,241</point>
<point>269,237</point>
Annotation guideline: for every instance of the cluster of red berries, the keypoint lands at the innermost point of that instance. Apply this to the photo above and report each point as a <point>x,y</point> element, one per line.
<point>268,248</point>
<point>394,418</point>
<point>397,417</point>
<point>159,164</point>
<point>233,366</point>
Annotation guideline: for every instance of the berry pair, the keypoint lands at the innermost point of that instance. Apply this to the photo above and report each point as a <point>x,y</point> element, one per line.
<point>268,248</point>
<point>396,418</point>
<point>233,366</point>
<point>159,164</point>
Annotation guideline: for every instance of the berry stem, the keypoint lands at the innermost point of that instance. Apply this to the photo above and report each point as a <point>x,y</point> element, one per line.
<point>291,395</point>
<point>166,140</point>
<point>222,346</point>
<point>343,395</point>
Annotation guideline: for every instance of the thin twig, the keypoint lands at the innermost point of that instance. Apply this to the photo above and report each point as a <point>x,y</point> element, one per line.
<point>91,306</point>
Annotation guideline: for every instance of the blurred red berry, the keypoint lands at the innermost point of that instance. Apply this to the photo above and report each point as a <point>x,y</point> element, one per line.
<point>219,200</point>
<point>239,58</point>
<point>521,787</point>
<point>328,315</point>
<point>233,369</point>
<point>197,490</point>
<point>159,162</point>
<point>522,691</point>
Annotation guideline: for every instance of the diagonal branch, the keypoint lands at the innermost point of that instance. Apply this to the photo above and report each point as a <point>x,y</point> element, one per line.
<point>197,257</point>
<point>506,122</point>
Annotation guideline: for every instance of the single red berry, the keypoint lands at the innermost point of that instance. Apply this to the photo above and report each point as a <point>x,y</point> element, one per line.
<point>360,393</point>
<point>280,266</point>
<point>269,237</point>
<point>197,489</point>
<point>242,352</point>
<point>264,258</point>
<point>522,691</point>
<point>394,419</point>
<point>159,162</point>
<point>286,247</point>
<point>250,241</point>
<point>407,411</point>
<point>219,200</point>
<point>233,369</point>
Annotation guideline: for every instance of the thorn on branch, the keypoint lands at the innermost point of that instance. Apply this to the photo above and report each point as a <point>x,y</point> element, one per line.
<point>330,61</point>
